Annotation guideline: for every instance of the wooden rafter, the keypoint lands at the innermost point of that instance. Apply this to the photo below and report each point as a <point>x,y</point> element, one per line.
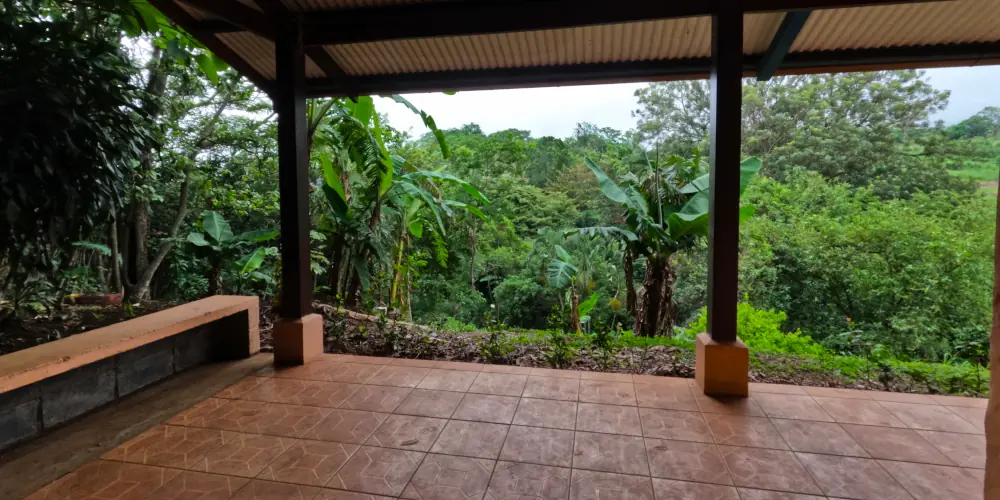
<point>783,39</point>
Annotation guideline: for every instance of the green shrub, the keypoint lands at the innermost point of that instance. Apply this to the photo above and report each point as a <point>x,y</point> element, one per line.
<point>761,331</point>
<point>560,352</point>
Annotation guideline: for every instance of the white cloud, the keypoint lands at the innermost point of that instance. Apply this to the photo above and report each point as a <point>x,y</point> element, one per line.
<point>556,110</point>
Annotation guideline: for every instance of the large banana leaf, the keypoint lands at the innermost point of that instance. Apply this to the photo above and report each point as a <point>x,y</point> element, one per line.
<point>333,189</point>
<point>251,262</point>
<point>561,273</point>
<point>608,186</point>
<point>588,305</point>
<point>258,235</point>
<point>428,122</point>
<point>216,226</point>
<point>604,232</point>
<point>446,177</point>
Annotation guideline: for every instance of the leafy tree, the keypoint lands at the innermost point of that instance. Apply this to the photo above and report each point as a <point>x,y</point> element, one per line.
<point>666,210</point>
<point>217,243</point>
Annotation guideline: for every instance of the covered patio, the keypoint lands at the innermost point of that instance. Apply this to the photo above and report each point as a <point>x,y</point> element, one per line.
<point>354,427</point>
<point>321,426</point>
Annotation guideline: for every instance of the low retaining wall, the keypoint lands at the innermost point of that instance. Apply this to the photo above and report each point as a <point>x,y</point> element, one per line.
<point>59,391</point>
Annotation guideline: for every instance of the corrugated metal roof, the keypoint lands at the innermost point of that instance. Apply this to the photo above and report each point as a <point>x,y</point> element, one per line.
<point>642,41</point>
<point>900,25</point>
<point>937,23</point>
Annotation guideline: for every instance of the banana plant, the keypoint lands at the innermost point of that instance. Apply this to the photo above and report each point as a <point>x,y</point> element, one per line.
<point>665,211</point>
<point>216,242</point>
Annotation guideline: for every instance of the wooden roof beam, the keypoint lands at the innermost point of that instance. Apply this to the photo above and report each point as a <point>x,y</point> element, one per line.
<point>237,14</point>
<point>783,39</point>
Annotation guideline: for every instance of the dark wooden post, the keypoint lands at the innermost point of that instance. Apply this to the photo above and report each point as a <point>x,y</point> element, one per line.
<point>726,97</point>
<point>293,170</point>
<point>722,362</point>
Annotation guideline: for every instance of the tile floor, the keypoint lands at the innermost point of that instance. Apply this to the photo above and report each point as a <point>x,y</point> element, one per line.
<point>358,428</point>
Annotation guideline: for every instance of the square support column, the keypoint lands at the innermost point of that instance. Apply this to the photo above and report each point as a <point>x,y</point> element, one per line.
<point>298,335</point>
<point>722,360</point>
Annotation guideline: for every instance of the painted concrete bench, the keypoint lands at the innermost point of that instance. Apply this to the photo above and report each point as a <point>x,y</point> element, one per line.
<point>47,385</point>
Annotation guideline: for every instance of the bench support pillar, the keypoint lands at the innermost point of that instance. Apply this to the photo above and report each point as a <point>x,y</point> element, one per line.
<point>296,341</point>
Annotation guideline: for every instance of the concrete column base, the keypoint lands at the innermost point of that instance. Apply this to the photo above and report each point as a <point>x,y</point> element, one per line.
<point>296,341</point>
<point>722,368</point>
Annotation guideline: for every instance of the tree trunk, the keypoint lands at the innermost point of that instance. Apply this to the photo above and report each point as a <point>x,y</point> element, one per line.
<point>656,312</point>
<point>992,483</point>
<point>116,273</point>
<point>627,260</point>
<point>574,312</point>
<point>215,279</point>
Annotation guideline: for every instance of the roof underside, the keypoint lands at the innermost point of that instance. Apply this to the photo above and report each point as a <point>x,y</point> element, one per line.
<point>380,46</point>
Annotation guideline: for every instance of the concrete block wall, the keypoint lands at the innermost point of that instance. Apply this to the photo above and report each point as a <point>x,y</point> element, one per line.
<point>29,411</point>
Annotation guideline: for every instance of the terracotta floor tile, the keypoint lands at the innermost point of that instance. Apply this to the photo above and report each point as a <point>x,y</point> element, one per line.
<point>376,398</point>
<point>670,396</point>
<point>195,415</point>
<point>610,453</point>
<point>935,482</point>
<point>461,366</point>
<point>514,481</point>
<point>448,380</point>
<point>549,372</point>
<point>508,369</point>
<point>104,480</point>
<point>308,462</point>
<point>609,419</point>
<point>273,419</point>
<point>546,413</point>
<point>407,432</point>
<point>313,370</point>
<point>738,430</point>
<point>859,411</point>
<point>967,450</point>
<point>668,490</point>
<point>399,376</point>
<point>901,397</point>
<point>170,446</point>
<point>381,471</point>
<point>960,401</point>
<point>500,384</point>
<point>852,477</point>
<point>245,455</point>
<point>756,388</point>
<point>768,470</point>
<point>536,445</point>
<point>675,425</point>
<point>931,418</point>
<point>199,486</point>
<point>588,485</point>
<point>365,360</point>
<point>746,407</point>
<point>818,437</point>
<point>896,444</point>
<point>610,393</point>
<point>972,415</point>
<point>791,406</point>
<point>686,461</point>
<point>607,377</point>
<point>657,379</point>
<point>240,388</point>
<point>564,389</point>
<point>833,392</point>
<point>751,494</point>
<point>350,373</point>
<point>446,477</point>
<point>471,439</point>
<point>486,408</point>
<point>426,403</point>
<point>417,363</point>
<point>347,426</point>
<point>301,392</point>
<point>328,494</point>
<point>270,490</point>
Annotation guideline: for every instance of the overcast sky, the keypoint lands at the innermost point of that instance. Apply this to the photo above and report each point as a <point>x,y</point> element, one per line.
<point>555,111</point>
